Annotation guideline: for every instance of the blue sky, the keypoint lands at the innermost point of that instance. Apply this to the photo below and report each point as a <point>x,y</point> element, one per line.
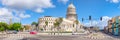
<point>96,8</point>
<point>58,8</point>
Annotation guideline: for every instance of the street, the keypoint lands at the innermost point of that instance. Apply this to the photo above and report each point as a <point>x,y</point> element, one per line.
<point>74,37</point>
<point>55,37</point>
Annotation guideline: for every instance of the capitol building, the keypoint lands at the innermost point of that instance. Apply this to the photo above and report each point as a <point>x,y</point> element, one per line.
<point>70,23</point>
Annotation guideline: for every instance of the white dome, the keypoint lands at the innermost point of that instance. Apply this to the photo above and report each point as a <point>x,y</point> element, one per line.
<point>71,6</point>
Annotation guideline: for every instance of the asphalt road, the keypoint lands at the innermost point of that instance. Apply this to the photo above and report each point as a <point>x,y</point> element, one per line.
<point>53,37</point>
<point>68,37</point>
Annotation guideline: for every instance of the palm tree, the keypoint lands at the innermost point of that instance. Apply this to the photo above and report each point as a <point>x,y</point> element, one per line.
<point>76,23</point>
<point>57,23</point>
<point>46,24</point>
<point>35,24</point>
<point>60,21</point>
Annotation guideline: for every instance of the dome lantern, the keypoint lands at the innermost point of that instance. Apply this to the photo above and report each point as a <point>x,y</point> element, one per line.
<point>71,5</point>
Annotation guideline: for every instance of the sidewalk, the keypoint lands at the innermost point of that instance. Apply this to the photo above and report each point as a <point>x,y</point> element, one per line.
<point>54,33</point>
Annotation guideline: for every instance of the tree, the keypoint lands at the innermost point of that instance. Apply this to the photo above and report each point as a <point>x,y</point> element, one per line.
<point>16,26</point>
<point>57,23</point>
<point>60,21</point>
<point>34,23</point>
<point>76,23</point>
<point>10,27</point>
<point>27,27</point>
<point>46,24</point>
<point>3,26</point>
<point>21,29</point>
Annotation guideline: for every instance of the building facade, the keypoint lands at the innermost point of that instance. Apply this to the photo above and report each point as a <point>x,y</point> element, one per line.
<point>68,23</point>
<point>113,26</point>
<point>43,25</point>
<point>71,13</point>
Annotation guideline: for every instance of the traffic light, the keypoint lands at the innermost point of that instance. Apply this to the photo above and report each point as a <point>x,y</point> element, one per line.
<point>101,18</point>
<point>90,17</point>
<point>82,19</point>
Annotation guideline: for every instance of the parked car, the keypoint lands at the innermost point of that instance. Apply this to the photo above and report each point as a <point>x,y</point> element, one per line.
<point>12,32</point>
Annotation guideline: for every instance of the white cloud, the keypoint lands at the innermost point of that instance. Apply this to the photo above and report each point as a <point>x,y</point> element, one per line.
<point>100,24</point>
<point>5,14</point>
<point>21,14</point>
<point>16,19</point>
<point>104,22</point>
<point>106,18</point>
<point>113,1</point>
<point>91,23</point>
<point>28,4</point>
<point>63,1</point>
<point>17,8</point>
<point>24,16</point>
<point>39,10</point>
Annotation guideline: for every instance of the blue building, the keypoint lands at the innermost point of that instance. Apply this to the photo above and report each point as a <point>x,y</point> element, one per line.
<point>113,26</point>
<point>117,26</point>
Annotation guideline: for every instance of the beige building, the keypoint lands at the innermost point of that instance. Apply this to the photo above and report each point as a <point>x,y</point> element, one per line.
<point>68,23</point>
<point>48,19</point>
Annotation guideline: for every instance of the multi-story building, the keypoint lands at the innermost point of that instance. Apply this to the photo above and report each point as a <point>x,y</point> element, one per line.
<point>110,25</point>
<point>50,20</point>
<point>113,26</point>
<point>68,23</point>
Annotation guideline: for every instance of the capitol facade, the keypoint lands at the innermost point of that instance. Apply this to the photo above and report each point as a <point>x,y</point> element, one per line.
<point>70,23</point>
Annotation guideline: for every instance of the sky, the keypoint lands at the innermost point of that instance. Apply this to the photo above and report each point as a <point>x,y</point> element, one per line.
<point>28,11</point>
